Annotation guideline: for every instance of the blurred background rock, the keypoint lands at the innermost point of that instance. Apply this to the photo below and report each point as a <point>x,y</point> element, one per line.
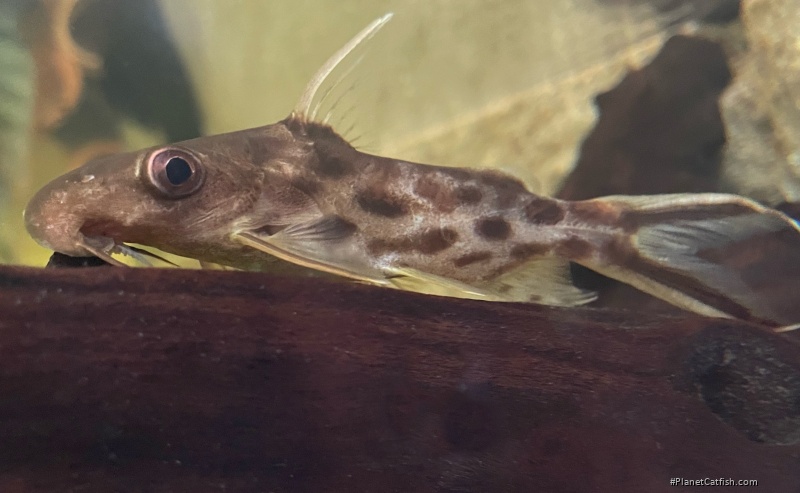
<point>761,109</point>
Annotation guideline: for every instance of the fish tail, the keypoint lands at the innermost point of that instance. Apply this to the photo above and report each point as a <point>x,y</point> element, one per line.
<point>708,253</point>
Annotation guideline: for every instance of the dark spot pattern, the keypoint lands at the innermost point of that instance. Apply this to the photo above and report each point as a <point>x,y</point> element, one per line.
<point>543,211</point>
<point>381,203</point>
<point>440,195</point>
<point>429,242</point>
<point>574,248</point>
<point>528,250</point>
<point>436,240</point>
<point>382,246</point>
<point>507,188</point>
<point>493,228</point>
<point>336,158</point>
<point>334,167</point>
<point>469,195</point>
<point>472,258</point>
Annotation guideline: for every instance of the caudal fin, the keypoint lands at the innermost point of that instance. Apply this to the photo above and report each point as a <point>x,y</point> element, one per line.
<point>714,254</point>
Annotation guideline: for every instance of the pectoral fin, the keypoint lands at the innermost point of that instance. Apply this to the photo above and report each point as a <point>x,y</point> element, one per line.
<point>409,279</point>
<point>323,244</point>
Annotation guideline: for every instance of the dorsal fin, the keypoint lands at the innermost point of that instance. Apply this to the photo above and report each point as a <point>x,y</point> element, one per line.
<point>303,108</point>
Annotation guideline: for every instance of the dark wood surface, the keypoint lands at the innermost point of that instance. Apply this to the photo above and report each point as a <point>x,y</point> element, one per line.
<point>150,380</point>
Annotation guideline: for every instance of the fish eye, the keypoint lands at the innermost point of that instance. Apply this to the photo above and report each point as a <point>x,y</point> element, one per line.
<point>174,172</point>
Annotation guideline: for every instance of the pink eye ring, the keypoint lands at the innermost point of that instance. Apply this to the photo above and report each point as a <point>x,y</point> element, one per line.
<point>174,172</point>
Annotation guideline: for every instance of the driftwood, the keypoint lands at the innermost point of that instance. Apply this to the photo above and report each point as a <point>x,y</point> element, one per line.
<point>134,380</point>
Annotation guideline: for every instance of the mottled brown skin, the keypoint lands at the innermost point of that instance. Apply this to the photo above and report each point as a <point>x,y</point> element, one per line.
<point>108,199</point>
<point>457,223</point>
<point>372,214</point>
<point>297,191</point>
<point>463,224</point>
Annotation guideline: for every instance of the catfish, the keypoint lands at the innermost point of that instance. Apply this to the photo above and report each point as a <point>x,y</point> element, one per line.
<point>298,191</point>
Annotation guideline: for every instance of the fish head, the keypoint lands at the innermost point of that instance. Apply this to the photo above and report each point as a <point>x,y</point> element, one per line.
<point>185,196</point>
<point>190,198</point>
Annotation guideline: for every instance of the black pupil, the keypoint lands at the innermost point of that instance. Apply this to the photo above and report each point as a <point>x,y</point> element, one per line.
<point>178,171</point>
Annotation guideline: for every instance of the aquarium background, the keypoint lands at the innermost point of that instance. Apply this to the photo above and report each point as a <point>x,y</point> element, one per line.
<point>179,380</point>
<point>505,84</point>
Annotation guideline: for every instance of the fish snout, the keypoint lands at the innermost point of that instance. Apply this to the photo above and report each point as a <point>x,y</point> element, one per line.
<point>79,203</point>
<point>53,222</point>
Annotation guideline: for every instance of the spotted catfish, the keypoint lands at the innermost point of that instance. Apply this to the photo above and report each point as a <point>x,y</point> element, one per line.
<point>298,191</point>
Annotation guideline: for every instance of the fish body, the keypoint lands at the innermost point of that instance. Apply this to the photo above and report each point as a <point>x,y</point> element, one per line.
<point>465,224</point>
<point>298,191</point>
